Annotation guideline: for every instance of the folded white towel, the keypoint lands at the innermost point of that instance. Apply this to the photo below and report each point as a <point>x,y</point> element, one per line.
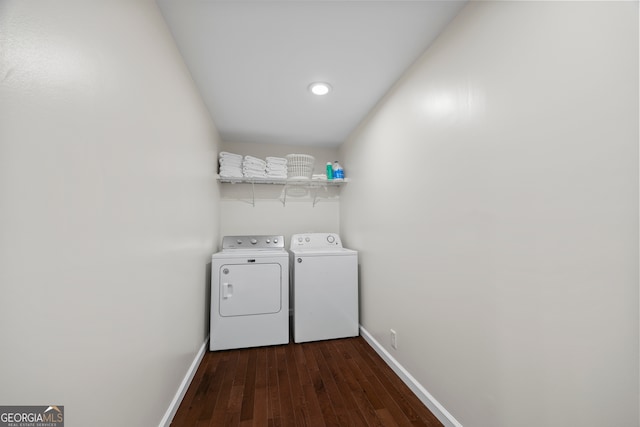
<point>231,174</point>
<point>230,162</point>
<point>277,167</point>
<point>227,155</point>
<point>253,159</point>
<point>261,170</point>
<point>231,167</point>
<point>254,174</point>
<point>276,175</point>
<point>230,171</point>
<point>278,160</point>
<point>253,166</point>
<point>253,163</point>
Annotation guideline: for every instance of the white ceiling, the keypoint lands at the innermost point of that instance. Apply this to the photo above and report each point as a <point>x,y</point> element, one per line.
<point>253,60</point>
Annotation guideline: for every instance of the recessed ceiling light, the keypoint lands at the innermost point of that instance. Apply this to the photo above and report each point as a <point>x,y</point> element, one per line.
<point>320,88</point>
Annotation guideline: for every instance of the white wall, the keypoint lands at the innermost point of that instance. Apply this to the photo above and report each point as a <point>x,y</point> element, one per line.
<point>502,242</point>
<point>270,215</point>
<point>108,210</point>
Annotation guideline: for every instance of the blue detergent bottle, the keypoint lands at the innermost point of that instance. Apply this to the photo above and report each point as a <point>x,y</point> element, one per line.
<point>338,172</point>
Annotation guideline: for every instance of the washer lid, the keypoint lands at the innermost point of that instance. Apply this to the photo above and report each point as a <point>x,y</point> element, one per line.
<point>323,252</point>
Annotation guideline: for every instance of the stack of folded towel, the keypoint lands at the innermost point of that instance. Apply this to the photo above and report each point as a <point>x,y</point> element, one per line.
<point>276,167</point>
<point>253,167</point>
<point>230,165</point>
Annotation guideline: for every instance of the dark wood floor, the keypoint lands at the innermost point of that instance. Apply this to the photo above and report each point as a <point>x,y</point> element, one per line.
<point>327,383</point>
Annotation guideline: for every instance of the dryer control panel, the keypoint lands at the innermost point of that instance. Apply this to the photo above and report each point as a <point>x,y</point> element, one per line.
<point>253,242</point>
<point>315,241</point>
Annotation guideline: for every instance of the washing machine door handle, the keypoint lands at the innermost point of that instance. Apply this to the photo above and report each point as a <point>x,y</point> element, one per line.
<point>227,290</point>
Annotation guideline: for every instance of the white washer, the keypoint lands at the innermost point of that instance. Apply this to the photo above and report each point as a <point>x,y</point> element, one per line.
<point>249,293</point>
<point>324,287</point>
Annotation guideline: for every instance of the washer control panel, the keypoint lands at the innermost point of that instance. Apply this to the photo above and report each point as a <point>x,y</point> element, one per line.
<point>253,242</point>
<point>315,241</point>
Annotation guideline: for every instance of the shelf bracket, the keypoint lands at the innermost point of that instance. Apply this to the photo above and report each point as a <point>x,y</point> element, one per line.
<point>284,196</point>
<point>253,193</point>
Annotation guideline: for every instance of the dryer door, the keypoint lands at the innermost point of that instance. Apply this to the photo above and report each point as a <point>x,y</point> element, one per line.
<point>249,289</point>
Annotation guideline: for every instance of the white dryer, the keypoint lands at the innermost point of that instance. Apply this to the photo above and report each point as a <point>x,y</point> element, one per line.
<point>249,293</point>
<point>324,287</point>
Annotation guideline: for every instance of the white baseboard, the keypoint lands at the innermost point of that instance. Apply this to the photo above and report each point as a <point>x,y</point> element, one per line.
<point>184,386</point>
<point>425,397</point>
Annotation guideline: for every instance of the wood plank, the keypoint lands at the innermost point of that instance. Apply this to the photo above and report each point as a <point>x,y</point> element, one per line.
<point>310,386</point>
<point>234,405</point>
<point>232,417</point>
<point>287,417</point>
<point>213,391</point>
<point>273,410</point>
<point>261,401</point>
<point>301,410</point>
<point>248,392</point>
<point>219,412</point>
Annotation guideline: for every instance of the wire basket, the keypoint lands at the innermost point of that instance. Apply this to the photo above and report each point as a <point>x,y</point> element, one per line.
<point>300,166</point>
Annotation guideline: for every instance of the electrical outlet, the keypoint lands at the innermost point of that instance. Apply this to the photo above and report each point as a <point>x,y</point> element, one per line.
<point>394,339</point>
